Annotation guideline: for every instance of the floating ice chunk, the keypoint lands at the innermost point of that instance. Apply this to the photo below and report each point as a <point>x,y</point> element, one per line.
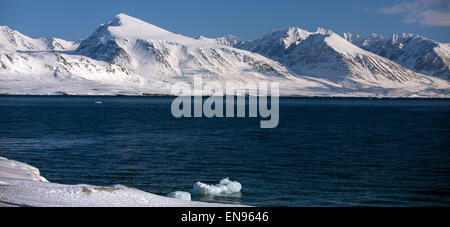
<point>180,195</point>
<point>98,102</point>
<point>21,184</point>
<point>224,187</point>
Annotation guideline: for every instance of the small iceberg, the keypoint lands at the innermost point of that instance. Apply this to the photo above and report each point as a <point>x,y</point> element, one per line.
<point>22,185</point>
<point>98,102</point>
<point>180,195</point>
<point>225,187</point>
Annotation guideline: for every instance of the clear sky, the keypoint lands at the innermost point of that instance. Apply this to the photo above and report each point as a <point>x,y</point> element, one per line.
<point>247,19</point>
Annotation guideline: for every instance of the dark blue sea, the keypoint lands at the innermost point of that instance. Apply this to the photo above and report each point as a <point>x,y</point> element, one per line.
<point>325,151</point>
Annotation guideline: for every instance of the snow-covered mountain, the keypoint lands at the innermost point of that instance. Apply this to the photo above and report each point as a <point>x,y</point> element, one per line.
<point>15,41</point>
<point>327,55</point>
<point>276,43</point>
<point>229,40</point>
<point>412,51</point>
<point>155,52</point>
<point>129,56</point>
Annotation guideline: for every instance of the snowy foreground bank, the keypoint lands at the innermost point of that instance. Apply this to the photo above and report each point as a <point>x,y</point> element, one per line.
<point>22,185</point>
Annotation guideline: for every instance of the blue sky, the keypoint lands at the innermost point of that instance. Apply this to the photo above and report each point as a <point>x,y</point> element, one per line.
<point>248,19</point>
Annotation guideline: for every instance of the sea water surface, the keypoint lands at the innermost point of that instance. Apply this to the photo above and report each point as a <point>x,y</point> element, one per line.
<point>325,151</point>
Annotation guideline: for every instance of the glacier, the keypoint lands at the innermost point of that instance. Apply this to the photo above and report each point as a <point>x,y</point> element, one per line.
<point>127,56</point>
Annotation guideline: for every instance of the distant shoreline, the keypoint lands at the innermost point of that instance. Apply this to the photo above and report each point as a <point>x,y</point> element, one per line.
<point>164,95</point>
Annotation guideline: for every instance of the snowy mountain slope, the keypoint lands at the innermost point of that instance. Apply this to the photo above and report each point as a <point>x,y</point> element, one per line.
<point>275,44</point>
<point>229,40</point>
<point>411,51</point>
<point>60,44</point>
<point>334,58</point>
<point>327,55</point>
<point>152,51</point>
<point>51,72</point>
<point>130,56</point>
<point>15,41</point>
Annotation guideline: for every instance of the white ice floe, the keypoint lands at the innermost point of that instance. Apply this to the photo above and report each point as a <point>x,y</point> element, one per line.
<point>223,188</point>
<point>22,185</point>
<point>180,195</point>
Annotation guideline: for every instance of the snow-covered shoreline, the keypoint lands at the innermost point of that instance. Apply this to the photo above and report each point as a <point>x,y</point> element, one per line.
<point>22,185</point>
<point>281,96</point>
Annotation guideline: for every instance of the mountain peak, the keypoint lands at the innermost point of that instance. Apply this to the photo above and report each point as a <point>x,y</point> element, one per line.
<point>5,28</point>
<point>13,40</point>
<point>123,15</point>
<point>122,18</point>
<point>128,27</point>
<point>323,31</point>
<point>227,40</point>
<point>412,51</point>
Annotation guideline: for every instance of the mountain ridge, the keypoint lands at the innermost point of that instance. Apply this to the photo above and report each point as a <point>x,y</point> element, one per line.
<point>302,51</point>
<point>412,51</point>
<point>129,56</point>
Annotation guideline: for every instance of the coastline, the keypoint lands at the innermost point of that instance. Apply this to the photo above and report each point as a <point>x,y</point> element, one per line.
<point>22,185</point>
<point>281,96</point>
